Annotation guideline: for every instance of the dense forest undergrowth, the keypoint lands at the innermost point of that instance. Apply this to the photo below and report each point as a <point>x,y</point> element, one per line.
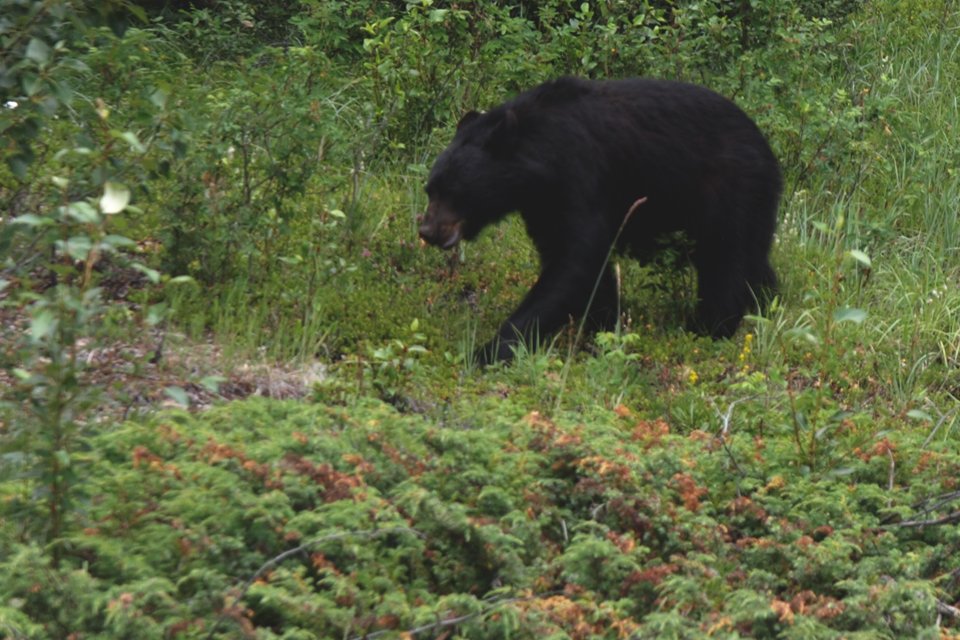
<point>236,393</point>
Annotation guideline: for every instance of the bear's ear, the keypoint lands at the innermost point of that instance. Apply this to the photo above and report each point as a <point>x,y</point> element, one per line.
<point>467,118</point>
<point>504,135</point>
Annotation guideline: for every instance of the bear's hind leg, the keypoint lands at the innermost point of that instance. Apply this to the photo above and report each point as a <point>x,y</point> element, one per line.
<point>722,294</point>
<point>762,281</point>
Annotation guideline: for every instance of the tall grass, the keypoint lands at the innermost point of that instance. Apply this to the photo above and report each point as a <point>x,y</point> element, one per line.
<point>898,202</point>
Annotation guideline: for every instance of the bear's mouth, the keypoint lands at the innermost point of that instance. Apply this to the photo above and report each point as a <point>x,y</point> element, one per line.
<point>454,237</point>
<point>443,235</point>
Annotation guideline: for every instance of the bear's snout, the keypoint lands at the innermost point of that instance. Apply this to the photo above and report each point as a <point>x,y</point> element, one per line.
<point>440,226</point>
<point>443,234</point>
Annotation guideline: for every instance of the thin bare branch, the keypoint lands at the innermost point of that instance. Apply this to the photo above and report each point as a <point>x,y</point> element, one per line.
<point>947,519</point>
<point>925,506</point>
<point>451,622</point>
<point>891,476</point>
<point>945,609</point>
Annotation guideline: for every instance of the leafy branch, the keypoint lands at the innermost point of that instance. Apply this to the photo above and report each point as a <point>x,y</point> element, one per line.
<point>273,562</point>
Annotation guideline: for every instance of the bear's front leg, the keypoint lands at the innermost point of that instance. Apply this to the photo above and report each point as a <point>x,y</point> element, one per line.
<point>563,292</point>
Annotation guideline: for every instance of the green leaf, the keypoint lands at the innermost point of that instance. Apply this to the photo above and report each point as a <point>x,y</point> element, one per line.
<point>131,138</point>
<point>917,414</point>
<point>115,198</point>
<point>178,395</point>
<point>156,313</point>
<point>32,220</point>
<point>63,457</point>
<point>861,258</point>
<point>42,324</point>
<point>113,241</point>
<point>18,164</point>
<point>76,64</point>
<point>159,98</point>
<point>138,12</point>
<point>849,314</point>
<point>38,51</point>
<point>77,247</point>
<point>31,84</point>
<point>82,212</point>
<point>803,333</point>
<point>212,383</point>
<point>62,91</point>
<point>152,274</point>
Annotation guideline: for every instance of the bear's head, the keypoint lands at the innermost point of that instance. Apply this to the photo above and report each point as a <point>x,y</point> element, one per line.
<point>476,180</point>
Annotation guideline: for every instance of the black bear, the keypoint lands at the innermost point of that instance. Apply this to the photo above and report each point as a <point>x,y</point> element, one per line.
<point>574,156</point>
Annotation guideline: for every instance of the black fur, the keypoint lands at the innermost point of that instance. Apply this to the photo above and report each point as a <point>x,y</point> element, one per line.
<point>572,156</point>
